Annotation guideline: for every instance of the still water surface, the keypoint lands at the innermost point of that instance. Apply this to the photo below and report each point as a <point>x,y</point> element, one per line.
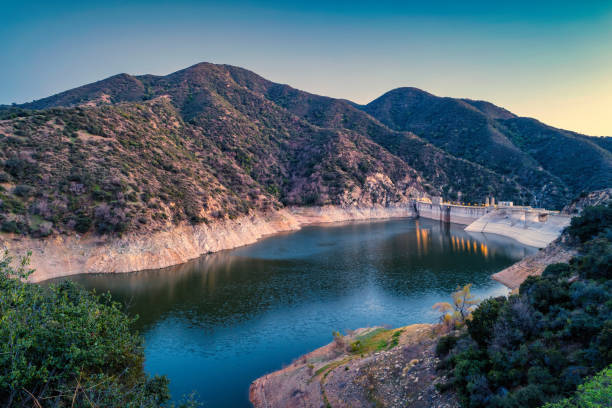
<point>215,324</point>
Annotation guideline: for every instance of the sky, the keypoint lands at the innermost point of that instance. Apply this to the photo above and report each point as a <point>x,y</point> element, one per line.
<point>551,60</point>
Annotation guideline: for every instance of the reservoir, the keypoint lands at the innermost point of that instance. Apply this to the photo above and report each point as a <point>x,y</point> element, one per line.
<point>215,324</point>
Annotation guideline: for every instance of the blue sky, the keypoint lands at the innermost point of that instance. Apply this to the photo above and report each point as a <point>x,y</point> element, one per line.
<point>549,60</point>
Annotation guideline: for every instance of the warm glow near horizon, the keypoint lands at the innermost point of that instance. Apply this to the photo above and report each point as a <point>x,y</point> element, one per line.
<point>547,60</point>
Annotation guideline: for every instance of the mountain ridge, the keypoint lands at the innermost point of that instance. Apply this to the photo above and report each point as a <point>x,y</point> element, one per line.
<point>214,141</point>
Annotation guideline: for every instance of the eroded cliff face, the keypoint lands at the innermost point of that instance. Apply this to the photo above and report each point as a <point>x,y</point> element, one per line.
<point>65,255</point>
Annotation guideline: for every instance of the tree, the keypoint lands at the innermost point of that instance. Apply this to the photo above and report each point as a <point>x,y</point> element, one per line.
<point>480,326</point>
<point>61,346</point>
<point>595,393</point>
<point>455,315</point>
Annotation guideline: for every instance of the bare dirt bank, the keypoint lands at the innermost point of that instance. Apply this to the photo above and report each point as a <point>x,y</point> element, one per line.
<point>535,264</point>
<point>391,368</point>
<point>69,255</point>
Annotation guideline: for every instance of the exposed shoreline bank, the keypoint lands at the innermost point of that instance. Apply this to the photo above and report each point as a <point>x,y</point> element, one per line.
<point>59,256</point>
<point>63,255</point>
<point>534,265</point>
<point>386,367</point>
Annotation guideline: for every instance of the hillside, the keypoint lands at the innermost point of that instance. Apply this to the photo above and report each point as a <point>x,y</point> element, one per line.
<point>141,167</point>
<point>552,163</point>
<point>212,142</point>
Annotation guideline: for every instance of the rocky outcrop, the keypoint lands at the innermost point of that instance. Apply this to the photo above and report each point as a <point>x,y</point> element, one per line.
<point>72,254</point>
<point>598,197</point>
<point>366,368</point>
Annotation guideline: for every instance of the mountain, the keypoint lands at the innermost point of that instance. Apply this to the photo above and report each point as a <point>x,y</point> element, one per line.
<point>548,161</point>
<point>139,153</point>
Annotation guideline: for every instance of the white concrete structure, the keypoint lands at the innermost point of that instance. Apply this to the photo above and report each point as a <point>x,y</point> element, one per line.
<point>529,226</point>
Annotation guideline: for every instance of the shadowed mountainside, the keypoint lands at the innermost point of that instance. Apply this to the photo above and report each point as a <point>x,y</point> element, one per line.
<point>549,162</point>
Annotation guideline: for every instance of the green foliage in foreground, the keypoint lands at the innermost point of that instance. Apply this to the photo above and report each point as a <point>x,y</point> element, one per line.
<point>539,346</point>
<point>595,393</point>
<point>61,346</point>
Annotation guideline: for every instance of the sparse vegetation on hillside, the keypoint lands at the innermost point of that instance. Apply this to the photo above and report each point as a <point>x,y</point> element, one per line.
<point>539,345</point>
<point>594,393</point>
<point>111,169</point>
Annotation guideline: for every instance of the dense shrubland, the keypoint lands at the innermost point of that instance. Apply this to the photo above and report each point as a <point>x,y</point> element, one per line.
<point>61,346</point>
<point>539,345</point>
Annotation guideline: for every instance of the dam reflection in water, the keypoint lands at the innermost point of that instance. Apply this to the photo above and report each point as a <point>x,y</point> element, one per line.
<point>215,324</point>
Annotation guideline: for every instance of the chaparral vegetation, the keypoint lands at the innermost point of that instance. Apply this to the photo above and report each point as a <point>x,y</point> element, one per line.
<point>62,346</point>
<point>539,345</point>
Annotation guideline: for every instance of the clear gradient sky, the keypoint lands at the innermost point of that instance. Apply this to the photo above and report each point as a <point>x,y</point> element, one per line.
<point>551,60</point>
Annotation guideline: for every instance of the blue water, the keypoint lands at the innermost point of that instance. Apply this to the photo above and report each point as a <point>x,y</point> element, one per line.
<point>215,324</point>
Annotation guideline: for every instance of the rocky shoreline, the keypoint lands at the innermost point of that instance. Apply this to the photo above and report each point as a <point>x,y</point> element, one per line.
<point>63,255</point>
<point>535,264</point>
<point>368,367</point>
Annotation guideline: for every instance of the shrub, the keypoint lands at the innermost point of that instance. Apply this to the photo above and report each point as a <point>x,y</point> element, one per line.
<point>63,342</point>
<point>557,270</point>
<point>445,344</point>
<point>592,221</point>
<point>11,226</point>
<point>455,315</point>
<point>22,190</point>
<point>480,326</point>
<point>595,393</point>
<point>539,345</point>
<point>82,223</point>
<point>596,260</point>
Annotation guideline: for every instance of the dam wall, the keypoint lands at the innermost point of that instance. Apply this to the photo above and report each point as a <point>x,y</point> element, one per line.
<point>536,227</point>
<point>457,214</point>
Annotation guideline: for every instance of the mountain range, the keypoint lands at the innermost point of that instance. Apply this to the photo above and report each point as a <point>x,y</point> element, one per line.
<point>137,153</point>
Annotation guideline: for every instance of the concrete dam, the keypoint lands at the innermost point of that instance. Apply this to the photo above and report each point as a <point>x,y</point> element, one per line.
<point>446,212</point>
<point>535,227</point>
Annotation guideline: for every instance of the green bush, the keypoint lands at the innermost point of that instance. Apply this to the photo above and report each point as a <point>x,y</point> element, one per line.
<point>592,222</point>
<point>594,393</point>
<point>82,223</point>
<point>480,326</point>
<point>11,226</point>
<point>596,260</point>
<point>445,344</point>
<point>61,346</point>
<point>557,270</point>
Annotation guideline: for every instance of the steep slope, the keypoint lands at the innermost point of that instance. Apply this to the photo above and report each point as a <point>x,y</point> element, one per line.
<point>453,176</point>
<point>140,166</point>
<point>118,88</point>
<point>541,158</point>
<point>213,142</point>
<point>578,160</point>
